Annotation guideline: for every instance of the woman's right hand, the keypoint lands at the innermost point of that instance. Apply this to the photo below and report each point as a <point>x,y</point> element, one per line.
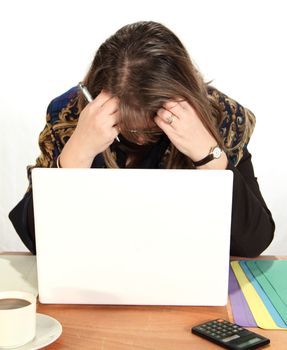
<point>95,132</point>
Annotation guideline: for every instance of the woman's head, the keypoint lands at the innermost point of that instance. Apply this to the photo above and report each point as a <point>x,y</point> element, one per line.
<point>144,64</point>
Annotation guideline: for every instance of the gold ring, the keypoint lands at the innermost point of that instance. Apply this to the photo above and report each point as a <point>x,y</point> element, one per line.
<point>170,119</point>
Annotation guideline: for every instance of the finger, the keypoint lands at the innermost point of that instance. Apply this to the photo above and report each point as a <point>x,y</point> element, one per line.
<point>176,108</point>
<point>115,131</point>
<point>117,126</point>
<point>110,106</point>
<point>167,116</point>
<point>185,105</point>
<point>173,102</point>
<point>170,104</point>
<point>102,98</point>
<point>167,128</point>
<point>112,136</point>
<point>105,105</point>
<point>111,119</point>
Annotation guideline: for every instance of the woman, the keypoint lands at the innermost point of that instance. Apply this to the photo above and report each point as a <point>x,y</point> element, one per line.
<point>152,109</point>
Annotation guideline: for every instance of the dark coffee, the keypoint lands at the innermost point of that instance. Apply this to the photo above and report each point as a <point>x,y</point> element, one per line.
<point>13,303</point>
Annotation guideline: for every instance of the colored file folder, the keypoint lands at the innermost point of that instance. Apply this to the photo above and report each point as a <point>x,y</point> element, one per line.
<point>258,288</point>
<point>264,297</point>
<point>256,305</point>
<point>271,275</point>
<point>242,314</point>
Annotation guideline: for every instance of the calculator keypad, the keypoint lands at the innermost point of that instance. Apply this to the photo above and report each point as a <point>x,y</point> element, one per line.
<point>221,329</point>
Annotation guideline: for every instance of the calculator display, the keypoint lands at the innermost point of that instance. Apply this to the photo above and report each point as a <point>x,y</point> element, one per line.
<point>249,342</point>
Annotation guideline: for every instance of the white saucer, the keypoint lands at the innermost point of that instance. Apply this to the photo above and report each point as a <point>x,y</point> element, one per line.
<point>47,331</point>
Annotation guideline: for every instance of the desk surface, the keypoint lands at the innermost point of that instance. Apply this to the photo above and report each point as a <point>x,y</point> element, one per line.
<point>146,327</point>
<point>118,328</point>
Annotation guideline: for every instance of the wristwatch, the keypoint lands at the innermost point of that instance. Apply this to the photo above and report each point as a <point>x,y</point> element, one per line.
<point>214,153</point>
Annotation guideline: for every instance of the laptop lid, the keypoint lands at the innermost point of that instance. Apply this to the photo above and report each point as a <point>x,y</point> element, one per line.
<point>132,236</point>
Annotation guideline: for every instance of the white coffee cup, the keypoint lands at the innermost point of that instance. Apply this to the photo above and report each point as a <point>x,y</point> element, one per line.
<point>17,318</point>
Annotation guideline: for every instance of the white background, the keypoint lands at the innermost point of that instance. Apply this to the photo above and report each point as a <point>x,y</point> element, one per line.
<point>47,46</point>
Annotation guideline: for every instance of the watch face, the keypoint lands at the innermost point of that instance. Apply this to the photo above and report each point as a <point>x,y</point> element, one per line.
<point>216,152</point>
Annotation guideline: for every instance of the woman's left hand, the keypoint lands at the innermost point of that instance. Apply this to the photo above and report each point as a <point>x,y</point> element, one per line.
<point>181,123</point>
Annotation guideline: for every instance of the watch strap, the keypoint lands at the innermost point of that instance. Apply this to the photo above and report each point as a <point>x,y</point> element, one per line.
<point>205,160</point>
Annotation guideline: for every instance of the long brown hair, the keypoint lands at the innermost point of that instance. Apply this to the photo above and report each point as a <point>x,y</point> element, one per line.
<point>144,64</point>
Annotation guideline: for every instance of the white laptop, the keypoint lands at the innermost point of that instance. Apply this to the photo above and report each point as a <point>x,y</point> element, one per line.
<point>132,236</point>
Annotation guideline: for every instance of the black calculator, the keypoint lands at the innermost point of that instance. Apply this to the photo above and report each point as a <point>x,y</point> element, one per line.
<point>229,335</point>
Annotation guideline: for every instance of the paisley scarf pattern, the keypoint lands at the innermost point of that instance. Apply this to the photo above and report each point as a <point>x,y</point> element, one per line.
<point>237,124</point>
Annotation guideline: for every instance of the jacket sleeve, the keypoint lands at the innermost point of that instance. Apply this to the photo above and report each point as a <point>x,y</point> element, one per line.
<point>61,120</point>
<point>22,216</point>
<point>252,227</point>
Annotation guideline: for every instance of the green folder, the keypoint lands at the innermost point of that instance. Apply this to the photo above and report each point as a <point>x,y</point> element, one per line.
<point>271,275</point>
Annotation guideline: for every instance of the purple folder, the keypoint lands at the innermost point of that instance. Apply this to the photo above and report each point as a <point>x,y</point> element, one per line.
<point>240,309</point>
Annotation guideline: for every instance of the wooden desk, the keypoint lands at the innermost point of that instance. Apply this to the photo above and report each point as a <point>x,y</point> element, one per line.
<point>146,328</point>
